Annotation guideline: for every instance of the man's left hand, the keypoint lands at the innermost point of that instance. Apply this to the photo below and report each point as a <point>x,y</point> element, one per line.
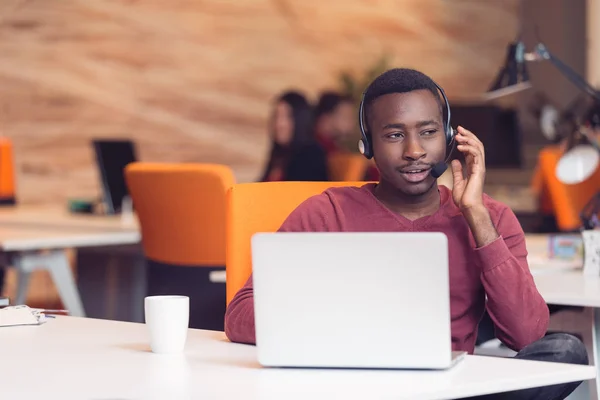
<point>468,192</point>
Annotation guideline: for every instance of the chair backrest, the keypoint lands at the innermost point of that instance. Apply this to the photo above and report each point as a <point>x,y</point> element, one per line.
<point>567,201</point>
<point>181,210</point>
<point>260,207</point>
<point>7,172</point>
<point>346,167</point>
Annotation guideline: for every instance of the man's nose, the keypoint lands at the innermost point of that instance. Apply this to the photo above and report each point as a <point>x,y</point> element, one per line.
<point>413,150</point>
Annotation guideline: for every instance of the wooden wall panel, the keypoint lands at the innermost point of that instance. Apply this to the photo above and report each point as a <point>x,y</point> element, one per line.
<point>192,80</point>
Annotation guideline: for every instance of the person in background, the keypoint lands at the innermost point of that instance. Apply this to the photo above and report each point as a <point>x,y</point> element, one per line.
<point>335,120</point>
<point>404,120</point>
<point>335,117</point>
<point>295,154</point>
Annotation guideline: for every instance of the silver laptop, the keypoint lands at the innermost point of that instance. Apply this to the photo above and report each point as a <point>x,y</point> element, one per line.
<point>352,300</point>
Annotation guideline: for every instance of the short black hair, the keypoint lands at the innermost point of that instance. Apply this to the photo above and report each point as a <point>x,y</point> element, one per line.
<point>400,80</point>
<point>329,102</point>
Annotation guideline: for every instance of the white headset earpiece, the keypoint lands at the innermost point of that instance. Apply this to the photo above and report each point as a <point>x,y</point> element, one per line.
<point>361,146</point>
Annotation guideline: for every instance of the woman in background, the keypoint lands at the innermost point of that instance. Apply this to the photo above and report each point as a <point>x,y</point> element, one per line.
<point>295,154</point>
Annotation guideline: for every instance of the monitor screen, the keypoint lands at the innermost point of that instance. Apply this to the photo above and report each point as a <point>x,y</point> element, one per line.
<point>498,129</point>
<point>112,156</point>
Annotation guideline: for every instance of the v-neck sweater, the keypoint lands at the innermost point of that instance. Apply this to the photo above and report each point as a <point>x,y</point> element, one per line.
<point>495,276</point>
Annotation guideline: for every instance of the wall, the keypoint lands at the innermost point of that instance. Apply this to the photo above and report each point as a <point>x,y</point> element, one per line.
<point>191,80</point>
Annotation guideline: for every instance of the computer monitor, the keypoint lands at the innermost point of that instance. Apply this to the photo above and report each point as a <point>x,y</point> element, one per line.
<point>112,156</point>
<point>497,128</point>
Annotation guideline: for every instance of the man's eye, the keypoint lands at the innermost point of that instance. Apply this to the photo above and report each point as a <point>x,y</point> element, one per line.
<point>394,135</point>
<point>430,132</point>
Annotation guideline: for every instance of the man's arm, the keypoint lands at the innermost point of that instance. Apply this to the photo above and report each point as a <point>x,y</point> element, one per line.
<point>517,309</point>
<point>316,214</point>
<point>239,317</point>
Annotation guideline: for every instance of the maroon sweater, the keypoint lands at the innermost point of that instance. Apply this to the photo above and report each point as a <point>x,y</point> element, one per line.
<point>498,270</point>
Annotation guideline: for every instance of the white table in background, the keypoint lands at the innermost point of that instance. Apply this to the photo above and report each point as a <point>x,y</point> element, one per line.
<point>77,358</point>
<point>36,237</point>
<point>43,247</point>
<point>573,288</point>
<point>113,280</point>
<point>49,216</point>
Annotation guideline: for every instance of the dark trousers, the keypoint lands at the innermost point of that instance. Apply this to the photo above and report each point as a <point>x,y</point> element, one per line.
<point>487,331</point>
<point>555,347</point>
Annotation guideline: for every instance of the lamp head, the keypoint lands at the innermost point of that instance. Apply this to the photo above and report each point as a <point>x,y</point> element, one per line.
<point>513,77</point>
<point>577,164</point>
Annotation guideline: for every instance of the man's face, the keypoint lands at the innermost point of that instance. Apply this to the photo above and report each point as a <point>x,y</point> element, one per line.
<point>408,139</point>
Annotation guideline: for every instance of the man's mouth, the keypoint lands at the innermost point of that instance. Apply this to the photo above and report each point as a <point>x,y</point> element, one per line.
<point>416,175</point>
<point>416,171</point>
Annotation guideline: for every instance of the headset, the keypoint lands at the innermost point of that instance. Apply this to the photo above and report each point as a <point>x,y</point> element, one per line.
<point>366,147</point>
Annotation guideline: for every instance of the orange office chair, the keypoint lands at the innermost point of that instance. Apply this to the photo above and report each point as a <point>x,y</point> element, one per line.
<point>346,167</point>
<point>7,172</point>
<point>181,211</point>
<point>260,207</point>
<point>564,201</point>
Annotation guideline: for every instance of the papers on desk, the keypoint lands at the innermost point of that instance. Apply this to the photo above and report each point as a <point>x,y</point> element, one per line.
<point>20,315</point>
<point>558,253</point>
<point>565,246</point>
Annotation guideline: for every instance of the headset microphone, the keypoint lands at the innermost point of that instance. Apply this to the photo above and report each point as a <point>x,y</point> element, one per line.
<point>438,169</point>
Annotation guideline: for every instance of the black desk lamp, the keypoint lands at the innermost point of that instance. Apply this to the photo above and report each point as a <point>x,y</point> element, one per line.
<point>577,164</point>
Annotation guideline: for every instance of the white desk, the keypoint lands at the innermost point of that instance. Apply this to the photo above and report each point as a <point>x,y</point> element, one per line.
<point>27,229</point>
<point>59,217</point>
<point>572,288</point>
<point>36,237</point>
<point>76,358</point>
<point>44,227</point>
<point>43,247</point>
<point>26,238</point>
<point>569,288</point>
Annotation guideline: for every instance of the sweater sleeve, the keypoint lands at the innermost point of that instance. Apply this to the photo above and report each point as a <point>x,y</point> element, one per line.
<point>316,214</point>
<point>519,312</point>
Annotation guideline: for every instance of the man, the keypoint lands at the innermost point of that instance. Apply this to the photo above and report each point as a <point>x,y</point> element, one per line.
<point>334,120</point>
<point>488,257</point>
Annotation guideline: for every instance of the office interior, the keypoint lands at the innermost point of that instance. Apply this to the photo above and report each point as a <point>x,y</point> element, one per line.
<point>91,88</point>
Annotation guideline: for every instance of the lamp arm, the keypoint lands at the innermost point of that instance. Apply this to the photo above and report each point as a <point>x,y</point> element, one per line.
<point>589,213</point>
<point>542,52</point>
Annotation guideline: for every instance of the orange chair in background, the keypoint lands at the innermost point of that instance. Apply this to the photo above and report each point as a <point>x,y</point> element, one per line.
<point>260,207</point>
<point>181,211</point>
<point>564,201</point>
<point>7,172</point>
<point>346,166</point>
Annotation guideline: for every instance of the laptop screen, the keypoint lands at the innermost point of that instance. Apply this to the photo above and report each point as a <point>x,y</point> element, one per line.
<point>112,156</point>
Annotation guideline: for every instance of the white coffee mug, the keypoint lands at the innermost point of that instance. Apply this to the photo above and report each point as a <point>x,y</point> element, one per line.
<point>167,318</point>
